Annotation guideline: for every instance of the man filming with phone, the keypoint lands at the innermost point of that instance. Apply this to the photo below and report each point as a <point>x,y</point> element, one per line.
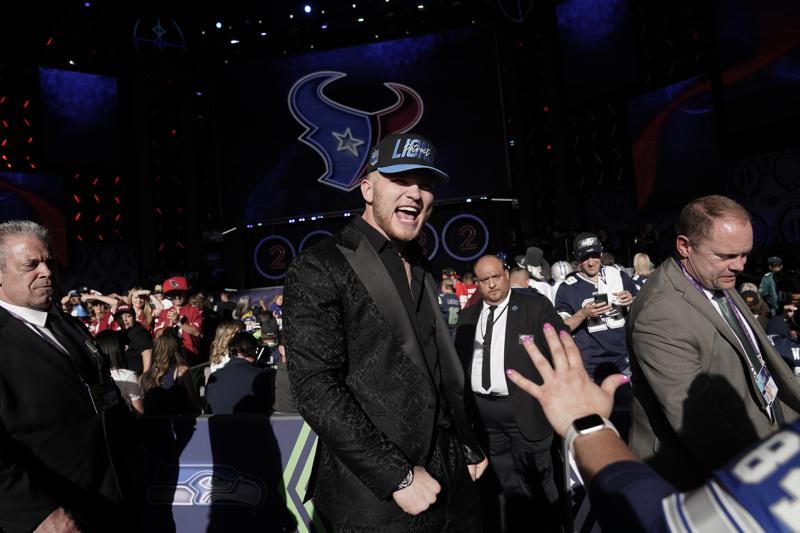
<point>593,302</point>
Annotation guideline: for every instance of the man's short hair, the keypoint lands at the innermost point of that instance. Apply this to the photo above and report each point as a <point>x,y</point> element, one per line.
<point>21,227</point>
<point>697,217</point>
<point>243,343</point>
<point>519,272</point>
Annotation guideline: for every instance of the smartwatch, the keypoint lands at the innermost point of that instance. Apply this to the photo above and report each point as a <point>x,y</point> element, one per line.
<point>584,426</point>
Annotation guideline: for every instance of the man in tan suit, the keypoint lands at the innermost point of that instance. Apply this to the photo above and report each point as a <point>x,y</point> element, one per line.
<point>707,382</point>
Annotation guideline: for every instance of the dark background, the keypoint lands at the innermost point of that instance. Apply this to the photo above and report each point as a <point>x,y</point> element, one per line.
<point>154,142</point>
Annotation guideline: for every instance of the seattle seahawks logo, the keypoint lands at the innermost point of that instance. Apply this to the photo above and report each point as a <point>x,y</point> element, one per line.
<point>210,484</point>
<point>343,135</point>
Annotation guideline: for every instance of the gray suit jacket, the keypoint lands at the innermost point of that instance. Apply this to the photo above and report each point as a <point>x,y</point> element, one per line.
<point>696,403</point>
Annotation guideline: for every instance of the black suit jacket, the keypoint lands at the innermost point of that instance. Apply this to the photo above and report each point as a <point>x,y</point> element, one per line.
<point>360,378</point>
<point>53,452</point>
<point>527,315</point>
<point>240,387</point>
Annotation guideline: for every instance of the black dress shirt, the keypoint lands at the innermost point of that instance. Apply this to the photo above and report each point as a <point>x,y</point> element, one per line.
<point>417,304</point>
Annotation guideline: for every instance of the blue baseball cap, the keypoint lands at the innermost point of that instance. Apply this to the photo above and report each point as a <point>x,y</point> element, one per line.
<point>401,152</point>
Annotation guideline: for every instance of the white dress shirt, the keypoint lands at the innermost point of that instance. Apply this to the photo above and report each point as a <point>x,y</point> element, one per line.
<point>34,319</point>
<point>498,348</point>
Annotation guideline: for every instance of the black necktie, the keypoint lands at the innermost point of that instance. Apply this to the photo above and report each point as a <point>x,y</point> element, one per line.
<point>486,378</point>
<point>75,351</point>
<point>752,355</point>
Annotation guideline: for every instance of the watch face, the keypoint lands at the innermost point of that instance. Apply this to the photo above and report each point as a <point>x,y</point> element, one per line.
<point>588,422</point>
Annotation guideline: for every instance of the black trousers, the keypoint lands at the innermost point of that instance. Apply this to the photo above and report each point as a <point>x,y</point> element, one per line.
<point>457,507</point>
<point>523,469</point>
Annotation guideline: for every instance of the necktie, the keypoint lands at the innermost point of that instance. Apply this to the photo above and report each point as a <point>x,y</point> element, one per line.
<point>752,355</point>
<point>74,350</point>
<point>486,375</point>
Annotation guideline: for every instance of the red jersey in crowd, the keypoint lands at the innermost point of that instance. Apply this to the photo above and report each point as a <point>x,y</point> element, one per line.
<point>102,324</point>
<point>464,292</point>
<point>187,314</point>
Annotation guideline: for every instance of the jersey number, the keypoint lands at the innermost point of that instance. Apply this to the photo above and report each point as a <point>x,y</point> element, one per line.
<point>762,462</point>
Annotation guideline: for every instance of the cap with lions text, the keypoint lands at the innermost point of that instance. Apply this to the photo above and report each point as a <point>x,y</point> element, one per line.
<point>401,152</point>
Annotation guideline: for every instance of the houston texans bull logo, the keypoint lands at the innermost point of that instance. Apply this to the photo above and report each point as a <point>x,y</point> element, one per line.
<point>342,135</point>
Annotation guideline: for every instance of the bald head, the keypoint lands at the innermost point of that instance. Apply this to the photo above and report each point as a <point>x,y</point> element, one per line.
<point>492,279</point>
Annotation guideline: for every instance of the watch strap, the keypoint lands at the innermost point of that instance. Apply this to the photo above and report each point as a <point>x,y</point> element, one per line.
<point>407,481</point>
<point>573,433</point>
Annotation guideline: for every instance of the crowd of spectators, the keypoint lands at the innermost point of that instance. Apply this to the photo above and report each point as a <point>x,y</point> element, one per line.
<point>166,346</point>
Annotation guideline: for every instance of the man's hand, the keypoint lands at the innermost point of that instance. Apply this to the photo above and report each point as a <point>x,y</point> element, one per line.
<point>595,310</point>
<point>567,391</point>
<point>476,471</point>
<point>420,495</point>
<point>624,298</point>
<point>59,521</point>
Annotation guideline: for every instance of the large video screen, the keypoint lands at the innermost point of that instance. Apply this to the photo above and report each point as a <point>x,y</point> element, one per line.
<point>675,146</point>
<point>597,52</point>
<point>36,197</point>
<point>80,119</point>
<point>759,44</point>
<point>295,132</point>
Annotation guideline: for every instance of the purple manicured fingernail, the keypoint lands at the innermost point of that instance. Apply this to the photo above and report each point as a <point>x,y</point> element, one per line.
<point>624,379</point>
<point>548,326</point>
<point>509,371</point>
<point>564,333</point>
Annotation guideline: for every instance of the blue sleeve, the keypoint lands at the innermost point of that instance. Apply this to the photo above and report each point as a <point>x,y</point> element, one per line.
<point>628,284</point>
<point>562,300</point>
<point>626,496</point>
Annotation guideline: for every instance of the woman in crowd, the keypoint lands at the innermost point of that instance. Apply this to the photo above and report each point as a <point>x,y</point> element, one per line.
<point>140,302</point>
<point>167,386</point>
<point>242,307</point>
<point>128,382</point>
<point>222,338</point>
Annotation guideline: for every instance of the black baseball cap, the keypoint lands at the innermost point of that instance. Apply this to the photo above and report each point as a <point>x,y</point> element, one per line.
<point>586,244</point>
<point>401,152</point>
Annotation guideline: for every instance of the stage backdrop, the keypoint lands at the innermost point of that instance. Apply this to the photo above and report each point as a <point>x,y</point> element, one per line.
<point>456,235</point>
<point>295,132</point>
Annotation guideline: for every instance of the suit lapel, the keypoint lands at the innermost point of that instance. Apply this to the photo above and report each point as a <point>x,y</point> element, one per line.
<point>515,324</point>
<point>38,347</point>
<point>370,270</point>
<point>701,302</point>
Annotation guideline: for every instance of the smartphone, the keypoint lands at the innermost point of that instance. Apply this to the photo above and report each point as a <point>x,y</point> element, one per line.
<point>600,298</point>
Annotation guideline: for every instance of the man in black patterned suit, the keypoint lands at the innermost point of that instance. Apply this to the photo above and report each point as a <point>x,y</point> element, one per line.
<point>372,367</point>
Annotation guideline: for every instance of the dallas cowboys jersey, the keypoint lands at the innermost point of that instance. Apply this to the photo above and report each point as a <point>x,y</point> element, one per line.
<point>601,340</point>
<point>759,491</point>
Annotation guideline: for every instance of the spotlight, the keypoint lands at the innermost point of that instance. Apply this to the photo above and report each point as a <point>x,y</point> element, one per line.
<point>218,25</point>
<point>307,9</point>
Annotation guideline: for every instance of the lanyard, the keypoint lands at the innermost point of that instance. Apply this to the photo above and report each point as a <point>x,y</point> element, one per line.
<point>745,327</point>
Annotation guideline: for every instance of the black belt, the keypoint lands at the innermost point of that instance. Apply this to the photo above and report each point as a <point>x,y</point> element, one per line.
<point>491,397</point>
